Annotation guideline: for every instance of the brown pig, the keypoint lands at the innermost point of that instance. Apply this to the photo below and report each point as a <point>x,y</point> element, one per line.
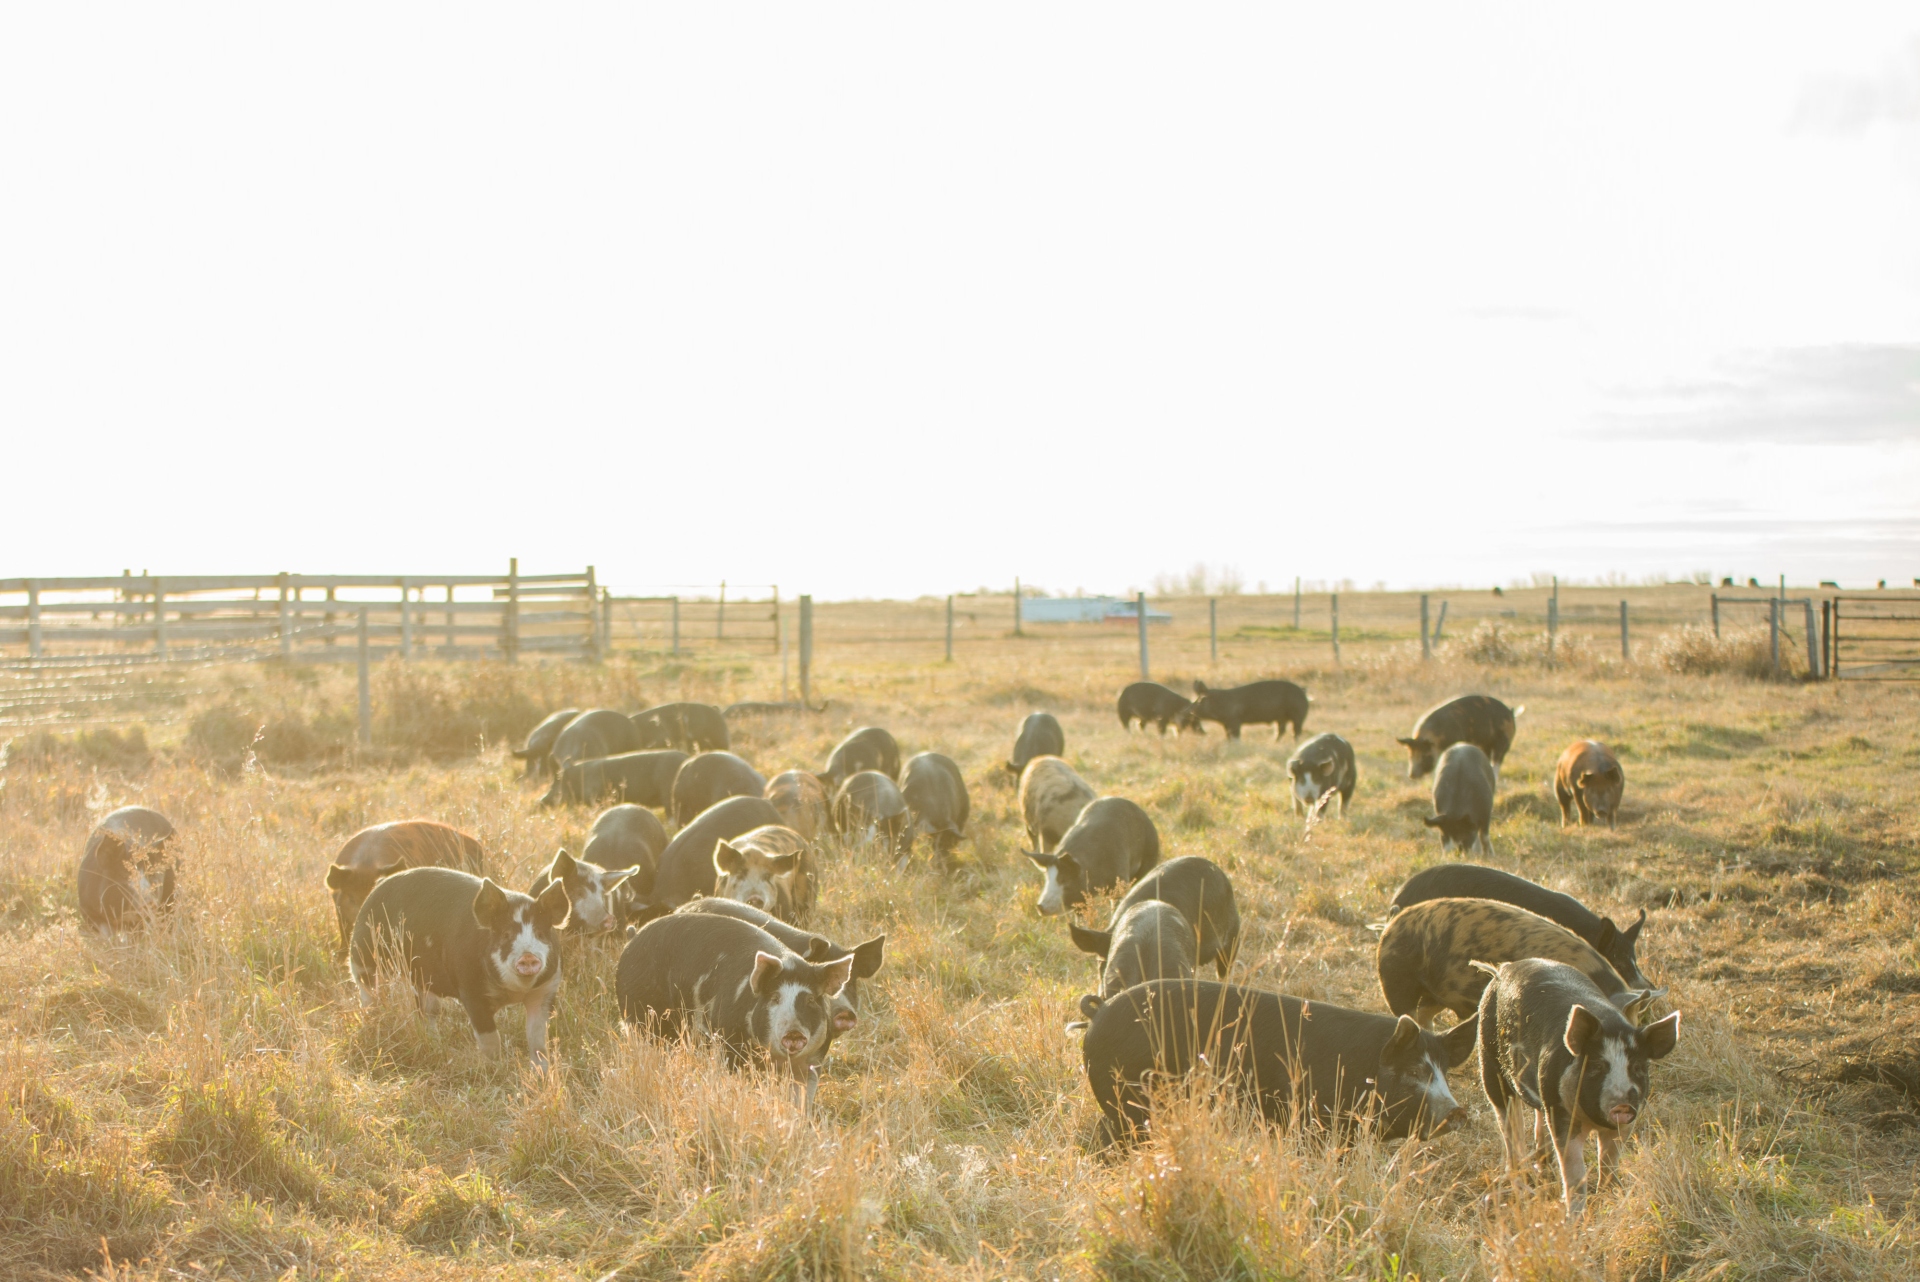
<point>1589,777</point>
<point>384,849</point>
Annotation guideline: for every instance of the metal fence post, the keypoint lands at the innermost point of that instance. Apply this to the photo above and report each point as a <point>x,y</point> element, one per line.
<point>1716,616</point>
<point>329,618</point>
<point>780,633</point>
<point>1826,638</point>
<point>33,619</point>
<point>1426,638</point>
<point>1296,603</point>
<point>1334,607</point>
<point>1440,624</point>
<point>606,621</point>
<point>676,625</point>
<point>595,646</point>
<point>286,631</point>
<point>1016,607</point>
<point>159,619</point>
<point>1213,629</point>
<point>1773,631</point>
<point>1626,655</point>
<point>1553,622</point>
<point>1813,644</point>
<point>406,620</point>
<point>366,692</point>
<point>720,615</point>
<point>1140,605</point>
<point>453,638</point>
<point>510,618</point>
<point>949,627</point>
<point>806,650</point>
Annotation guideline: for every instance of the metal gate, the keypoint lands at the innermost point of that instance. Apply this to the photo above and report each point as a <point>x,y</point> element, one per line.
<point>1874,638</point>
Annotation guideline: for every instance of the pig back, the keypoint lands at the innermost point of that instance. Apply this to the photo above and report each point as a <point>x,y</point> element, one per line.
<point>1114,840</point>
<point>686,865</point>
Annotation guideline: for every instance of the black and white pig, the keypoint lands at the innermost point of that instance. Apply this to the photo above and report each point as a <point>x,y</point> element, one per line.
<point>1040,736</point>
<point>1321,765</point>
<point>127,869</point>
<point>723,978</point>
<point>1463,799</point>
<point>711,777</point>
<point>1471,881</point>
<point>1341,1063</point>
<point>770,868</point>
<point>937,803</point>
<point>463,937</point>
<point>591,889</point>
<point>868,748</point>
<point>1113,841</point>
<point>1550,1040</point>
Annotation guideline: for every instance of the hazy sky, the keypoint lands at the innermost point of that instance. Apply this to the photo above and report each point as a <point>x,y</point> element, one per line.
<point>887,299</point>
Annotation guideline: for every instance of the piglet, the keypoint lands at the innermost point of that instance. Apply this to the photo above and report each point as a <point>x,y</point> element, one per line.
<point>463,937</point>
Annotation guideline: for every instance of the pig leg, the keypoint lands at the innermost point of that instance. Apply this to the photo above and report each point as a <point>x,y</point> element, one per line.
<point>1494,1083</point>
<point>1570,1147</point>
<point>1586,810</point>
<point>480,1015</point>
<point>1609,1162</point>
<point>1565,799</point>
<point>539,1009</point>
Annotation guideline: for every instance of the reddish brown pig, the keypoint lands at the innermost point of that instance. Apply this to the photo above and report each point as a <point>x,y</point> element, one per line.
<point>1589,777</point>
<point>384,849</point>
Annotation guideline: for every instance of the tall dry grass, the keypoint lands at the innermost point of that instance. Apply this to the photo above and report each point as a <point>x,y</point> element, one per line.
<point>209,1096</point>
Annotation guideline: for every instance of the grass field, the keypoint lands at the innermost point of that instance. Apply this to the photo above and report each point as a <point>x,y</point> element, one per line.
<point>209,1099</point>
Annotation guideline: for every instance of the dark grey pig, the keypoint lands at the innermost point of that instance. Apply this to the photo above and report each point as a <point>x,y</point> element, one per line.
<point>1550,1040</point>
<point>937,804</point>
<point>1463,799</point>
<point>686,865</point>
<point>868,748</point>
<point>600,732</point>
<point>1204,895</point>
<point>1258,703</point>
<point>1340,1063</point>
<point>1112,842</point>
<point>463,937</point>
<point>1478,719</point>
<point>1040,736</point>
<point>1321,765</point>
<point>1148,940</point>
<point>537,751</point>
<point>127,869</point>
<point>385,849</point>
<point>711,777</point>
<point>690,727</point>
<point>1145,701</point>
<point>627,836</point>
<point>644,778</point>
<point>869,806</point>
<point>1471,881</point>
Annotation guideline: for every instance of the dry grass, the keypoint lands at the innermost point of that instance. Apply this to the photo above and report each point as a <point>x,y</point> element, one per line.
<point>209,1098</point>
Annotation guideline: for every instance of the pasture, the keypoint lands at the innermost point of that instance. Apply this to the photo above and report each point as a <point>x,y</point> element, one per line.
<point>209,1099</point>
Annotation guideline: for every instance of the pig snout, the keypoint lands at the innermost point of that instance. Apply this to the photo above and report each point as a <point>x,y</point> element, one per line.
<point>1622,1115</point>
<point>793,1041</point>
<point>527,965</point>
<point>844,1020</point>
<point>1449,1122</point>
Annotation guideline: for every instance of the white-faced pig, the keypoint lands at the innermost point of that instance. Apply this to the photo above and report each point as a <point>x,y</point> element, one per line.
<point>868,748</point>
<point>1427,953</point>
<point>711,777</point>
<point>1147,940</point>
<point>1052,795</point>
<point>598,732</point>
<point>843,1011</point>
<point>127,869</point>
<point>627,836</point>
<point>1463,799</point>
<point>1258,703</point>
<point>1145,701</point>
<point>686,865</point>
<point>643,778</point>
<point>1202,892</point>
<point>1040,736</point>
<point>537,751</point>
<point>690,727</point>
<point>723,978</point>
<point>802,801</point>
<point>937,803</point>
<point>770,868</point>
<point>463,937</point>
<point>869,808</point>
<point>1341,1064</point>
<point>385,849</point>
<point>1471,881</point>
<point>1113,841</point>
<point>1590,777</point>
<point>1321,765</point>
<point>1478,719</point>
<point>1550,1040</point>
<point>591,889</point>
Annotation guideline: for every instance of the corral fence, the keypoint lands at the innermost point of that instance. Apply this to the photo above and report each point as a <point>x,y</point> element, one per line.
<point>1873,637</point>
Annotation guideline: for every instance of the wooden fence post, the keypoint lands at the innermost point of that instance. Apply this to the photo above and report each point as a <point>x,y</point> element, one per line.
<point>779,638</point>
<point>1426,638</point>
<point>366,691</point>
<point>780,632</point>
<point>1773,631</point>
<point>329,618</point>
<point>1440,624</point>
<point>1626,654</point>
<point>1716,616</point>
<point>676,625</point>
<point>1553,622</point>
<point>1826,638</point>
<point>949,627</point>
<point>1140,605</point>
<point>159,619</point>
<point>1813,644</point>
<point>595,648</point>
<point>452,638</point>
<point>806,650</point>
<point>1296,603</point>
<point>606,621</point>
<point>720,615</point>
<point>1213,629</point>
<point>1016,607</point>
<point>1333,602</point>
<point>33,619</point>
<point>286,629</point>
<point>406,619</point>
<point>510,616</point>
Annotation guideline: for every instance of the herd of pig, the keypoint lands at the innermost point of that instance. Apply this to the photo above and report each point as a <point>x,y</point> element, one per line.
<point>1547,994</point>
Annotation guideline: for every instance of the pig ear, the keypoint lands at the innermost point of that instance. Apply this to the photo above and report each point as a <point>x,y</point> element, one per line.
<point>1461,1040</point>
<point>1408,743</point>
<point>1607,934</point>
<point>1199,687</point>
<point>818,949</point>
<point>554,905</point>
<point>766,973</point>
<point>727,859</point>
<point>1406,1036</point>
<point>562,868</point>
<point>613,880</point>
<point>835,974</point>
<point>1045,861</point>
<point>387,870</point>
<point>1660,1037</point>
<point>1096,942</point>
<point>868,956</point>
<point>488,903</point>
<point>1435,821</point>
<point>1582,1025</point>
<point>1632,933</point>
<point>783,863</point>
<point>339,876</point>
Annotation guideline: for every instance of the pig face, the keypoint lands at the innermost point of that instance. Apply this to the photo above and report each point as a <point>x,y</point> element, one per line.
<point>1613,1065</point>
<point>1312,778</point>
<point>1600,790</point>
<point>593,891</point>
<point>1422,756</point>
<point>523,934</point>
<point>794,997</point>
<point>1066,882</point>
<point>1457,832</point>
<point>753,877</point>
<point>1411,1079</point>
